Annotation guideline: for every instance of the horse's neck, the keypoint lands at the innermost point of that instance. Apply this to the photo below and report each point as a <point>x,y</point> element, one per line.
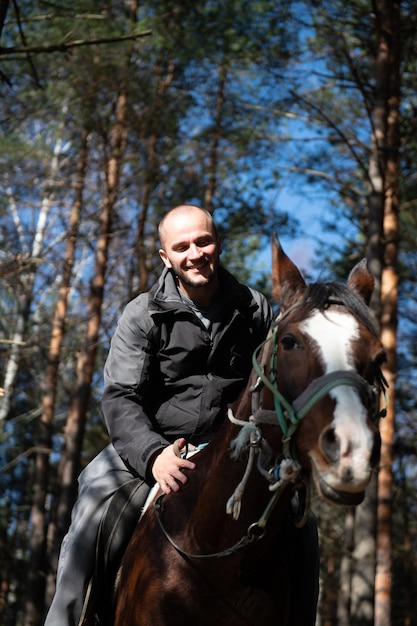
<point>219,478</point>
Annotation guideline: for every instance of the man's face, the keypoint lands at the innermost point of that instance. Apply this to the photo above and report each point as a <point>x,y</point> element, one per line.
<point>191,250</point>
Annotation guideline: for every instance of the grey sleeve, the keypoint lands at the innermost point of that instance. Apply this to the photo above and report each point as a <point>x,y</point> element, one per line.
<point>127,379</point>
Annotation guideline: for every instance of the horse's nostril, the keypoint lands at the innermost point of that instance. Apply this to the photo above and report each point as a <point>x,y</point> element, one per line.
<point>330,444</point>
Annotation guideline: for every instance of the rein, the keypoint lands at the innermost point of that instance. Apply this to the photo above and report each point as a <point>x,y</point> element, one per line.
<point>251,536</point>
<point>254,533</point>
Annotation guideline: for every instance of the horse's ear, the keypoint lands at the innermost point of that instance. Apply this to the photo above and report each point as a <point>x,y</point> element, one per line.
<point>361,281</point>
<point>287,283</point>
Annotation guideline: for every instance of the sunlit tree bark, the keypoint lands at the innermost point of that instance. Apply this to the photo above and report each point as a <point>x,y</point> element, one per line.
<point>390,45</point>
<point>75,425</point>
<point>38,561</point>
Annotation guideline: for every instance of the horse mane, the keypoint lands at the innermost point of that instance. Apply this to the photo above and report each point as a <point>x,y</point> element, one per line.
<point>322,295</point>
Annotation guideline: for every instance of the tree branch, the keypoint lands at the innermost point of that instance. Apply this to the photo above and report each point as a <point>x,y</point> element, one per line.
<point>23,455</point>
<point>63,47</point>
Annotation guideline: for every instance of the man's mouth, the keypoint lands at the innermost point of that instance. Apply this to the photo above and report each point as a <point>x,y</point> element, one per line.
<point>197,268</point>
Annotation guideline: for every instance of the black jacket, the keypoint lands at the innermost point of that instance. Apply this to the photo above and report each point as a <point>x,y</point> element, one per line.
<point>166,376</point>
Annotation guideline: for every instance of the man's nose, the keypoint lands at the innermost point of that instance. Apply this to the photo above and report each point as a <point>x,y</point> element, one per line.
<point>195,251</point>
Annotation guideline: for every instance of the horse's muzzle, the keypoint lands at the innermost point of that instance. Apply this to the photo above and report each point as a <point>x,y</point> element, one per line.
<point>342,470</point>
<point>330,447</point>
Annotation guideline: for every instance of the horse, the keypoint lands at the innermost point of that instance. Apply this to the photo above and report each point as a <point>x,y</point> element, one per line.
<point>237,544</point>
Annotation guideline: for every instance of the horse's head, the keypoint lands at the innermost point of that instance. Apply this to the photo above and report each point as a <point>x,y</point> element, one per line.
<point>326,358</point>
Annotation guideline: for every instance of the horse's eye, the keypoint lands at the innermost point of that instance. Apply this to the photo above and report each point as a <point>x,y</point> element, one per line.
<point>288,342</point>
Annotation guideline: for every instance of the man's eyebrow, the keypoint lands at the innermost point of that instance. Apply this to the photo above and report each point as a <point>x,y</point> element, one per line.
<point>177,244</point>
<point>186,242</point>
<point>206,236</point>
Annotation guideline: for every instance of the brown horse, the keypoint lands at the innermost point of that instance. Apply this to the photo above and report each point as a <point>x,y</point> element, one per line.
<point>236,545</point>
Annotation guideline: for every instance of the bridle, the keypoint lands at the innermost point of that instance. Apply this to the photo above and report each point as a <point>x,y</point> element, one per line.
<point>287,470</point>
<point>290,414</point>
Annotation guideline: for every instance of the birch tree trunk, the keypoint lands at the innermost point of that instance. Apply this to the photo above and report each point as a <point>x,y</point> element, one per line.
<point>27,281</point>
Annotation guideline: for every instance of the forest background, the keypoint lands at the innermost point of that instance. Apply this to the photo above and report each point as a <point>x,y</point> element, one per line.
<point>296,117</point>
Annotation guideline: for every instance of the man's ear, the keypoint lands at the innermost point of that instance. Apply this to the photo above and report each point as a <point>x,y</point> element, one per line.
<point>165,259</point>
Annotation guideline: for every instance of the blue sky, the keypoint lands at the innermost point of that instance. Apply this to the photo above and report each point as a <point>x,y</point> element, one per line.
<point>311,212</point>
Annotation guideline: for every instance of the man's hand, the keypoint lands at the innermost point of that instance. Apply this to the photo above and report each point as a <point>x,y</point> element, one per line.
<point>167,467</point>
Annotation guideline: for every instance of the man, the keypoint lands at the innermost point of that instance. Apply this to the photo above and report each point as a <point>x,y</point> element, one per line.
<point>181,353</point>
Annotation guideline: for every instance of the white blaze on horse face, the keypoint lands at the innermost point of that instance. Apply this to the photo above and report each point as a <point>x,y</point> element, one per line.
<point>335,333</point>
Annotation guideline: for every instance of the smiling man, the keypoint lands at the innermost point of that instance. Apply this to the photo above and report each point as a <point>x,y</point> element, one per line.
<point>180,354</point>
<point>191,247</point>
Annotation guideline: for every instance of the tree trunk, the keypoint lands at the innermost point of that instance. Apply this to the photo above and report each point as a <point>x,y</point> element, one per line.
<point>7,570</point>
<point>370,593</point>
<point>74,431</point>
<point>406,597</point>
<point>363,565</point>
<point>28,281</point>
<point>363,574</point>
<point>328,604</point>
<point>4,5</point>
<point>343,600</point>
<point>217,132</point>
<point>151,175</point>
<point>390,29</point>
<point>38,549</point>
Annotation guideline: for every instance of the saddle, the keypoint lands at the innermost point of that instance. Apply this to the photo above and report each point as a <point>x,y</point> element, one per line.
<point>115,531</point>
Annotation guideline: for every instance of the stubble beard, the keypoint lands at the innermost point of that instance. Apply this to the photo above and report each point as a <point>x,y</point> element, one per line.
<point>183,277</point>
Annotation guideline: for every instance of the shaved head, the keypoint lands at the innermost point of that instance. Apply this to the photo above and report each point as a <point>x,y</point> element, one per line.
<point>182,212</point>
